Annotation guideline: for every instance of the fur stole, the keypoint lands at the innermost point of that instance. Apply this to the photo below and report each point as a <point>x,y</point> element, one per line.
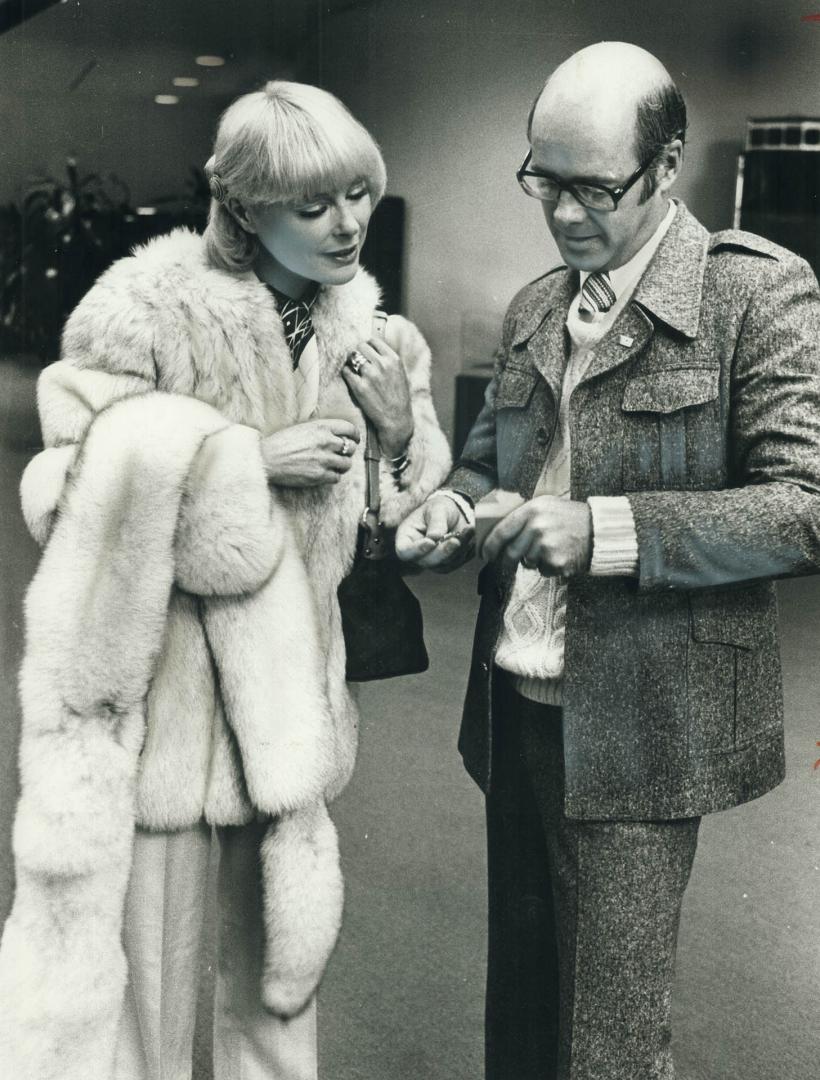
<point>96,614</point>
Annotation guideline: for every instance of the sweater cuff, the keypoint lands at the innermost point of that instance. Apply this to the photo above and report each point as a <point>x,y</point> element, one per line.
<point>615,541</point>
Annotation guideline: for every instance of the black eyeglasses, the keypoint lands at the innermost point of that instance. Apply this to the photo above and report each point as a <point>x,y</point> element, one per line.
<point>592,196</point>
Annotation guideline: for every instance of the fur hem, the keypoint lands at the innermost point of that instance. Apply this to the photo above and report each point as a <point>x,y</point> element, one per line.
<point>62,978</point>
<point>303,902</point>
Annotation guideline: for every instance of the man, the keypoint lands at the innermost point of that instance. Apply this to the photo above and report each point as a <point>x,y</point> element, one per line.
<point>656,403</point>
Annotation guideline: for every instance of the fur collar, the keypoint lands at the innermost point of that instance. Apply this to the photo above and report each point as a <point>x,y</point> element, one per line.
<point>167,315</point>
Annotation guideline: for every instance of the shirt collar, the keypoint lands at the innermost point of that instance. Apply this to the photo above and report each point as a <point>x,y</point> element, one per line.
<point>625,277</point>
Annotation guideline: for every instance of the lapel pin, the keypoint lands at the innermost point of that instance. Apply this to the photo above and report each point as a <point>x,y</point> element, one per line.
<point>625,340</point>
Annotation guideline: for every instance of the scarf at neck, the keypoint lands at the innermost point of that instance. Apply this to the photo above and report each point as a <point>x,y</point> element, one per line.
<point>296,320</point>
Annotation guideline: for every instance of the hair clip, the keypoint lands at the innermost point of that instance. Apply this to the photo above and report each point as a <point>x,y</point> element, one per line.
<point>217,187</point>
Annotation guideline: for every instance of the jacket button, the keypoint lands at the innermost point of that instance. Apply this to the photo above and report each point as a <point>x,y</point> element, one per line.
<point>542,435</point>
<point>485,667</point>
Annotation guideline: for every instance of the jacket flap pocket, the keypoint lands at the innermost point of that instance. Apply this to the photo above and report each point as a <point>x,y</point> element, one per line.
<point>744,616</point>
<point>515,387</point>
<point>669,391</point>
<point>711,627</point>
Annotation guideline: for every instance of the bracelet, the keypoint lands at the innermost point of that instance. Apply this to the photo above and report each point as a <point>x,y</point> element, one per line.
<point>403,463</point>
<point>392,460</point>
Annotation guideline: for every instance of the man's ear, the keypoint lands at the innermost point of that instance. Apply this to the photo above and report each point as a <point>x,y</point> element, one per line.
<point>669,165</point>
<point>240,214</point>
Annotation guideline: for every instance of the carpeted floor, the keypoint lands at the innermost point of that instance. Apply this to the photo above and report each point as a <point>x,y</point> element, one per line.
<point>402,999</point>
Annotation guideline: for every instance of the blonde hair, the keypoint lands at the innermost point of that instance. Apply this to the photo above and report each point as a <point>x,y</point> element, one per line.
<point>284,143</point>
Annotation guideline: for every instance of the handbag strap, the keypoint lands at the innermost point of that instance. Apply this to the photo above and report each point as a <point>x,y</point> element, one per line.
<point>372,457</point>
<point>374,546</point>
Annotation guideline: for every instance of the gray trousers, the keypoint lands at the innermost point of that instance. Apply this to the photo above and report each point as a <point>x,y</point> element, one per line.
<point>583,919</point>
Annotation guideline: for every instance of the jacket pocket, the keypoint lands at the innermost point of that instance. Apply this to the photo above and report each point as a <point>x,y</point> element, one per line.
<point>733,667</point>
<point>515,388</point>
<point>670,391</point>
<point>513,422</point>
<point>672,434</point>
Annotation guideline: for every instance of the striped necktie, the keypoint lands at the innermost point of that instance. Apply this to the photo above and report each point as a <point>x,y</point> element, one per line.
<point>597,294</point>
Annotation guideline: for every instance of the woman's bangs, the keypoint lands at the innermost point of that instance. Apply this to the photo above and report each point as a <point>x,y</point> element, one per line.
<point>324,161</point>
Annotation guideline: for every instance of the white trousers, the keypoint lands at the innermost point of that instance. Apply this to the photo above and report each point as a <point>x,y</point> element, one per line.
<point>163,939</point>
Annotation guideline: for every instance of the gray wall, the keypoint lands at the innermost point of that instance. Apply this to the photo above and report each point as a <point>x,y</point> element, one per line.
<point>446,88</point>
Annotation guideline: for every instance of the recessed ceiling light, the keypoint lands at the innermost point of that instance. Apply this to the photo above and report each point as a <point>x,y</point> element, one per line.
<point>210,61</point>
<point>146,211</point>
<point>166,99</point>
<point>185,80</point>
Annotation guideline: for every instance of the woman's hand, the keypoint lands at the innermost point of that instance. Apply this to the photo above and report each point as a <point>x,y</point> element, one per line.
<point>309,454</point>
<point>382,392</point>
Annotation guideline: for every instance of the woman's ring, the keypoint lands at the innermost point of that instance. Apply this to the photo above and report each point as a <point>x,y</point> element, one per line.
<point>355,361</point>
<point>344,449</point>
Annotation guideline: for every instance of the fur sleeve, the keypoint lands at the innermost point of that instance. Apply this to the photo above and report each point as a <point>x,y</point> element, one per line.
<point>428,451</point>
<point>230,531</point>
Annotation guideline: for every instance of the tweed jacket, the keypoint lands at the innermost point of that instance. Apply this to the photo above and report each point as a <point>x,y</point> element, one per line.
<point>702,406</point>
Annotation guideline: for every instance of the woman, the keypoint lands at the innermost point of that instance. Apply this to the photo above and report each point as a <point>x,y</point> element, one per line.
<point>199,501</point>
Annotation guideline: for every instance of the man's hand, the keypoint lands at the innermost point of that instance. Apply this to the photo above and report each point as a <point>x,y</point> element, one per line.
<point>435,536</point>
<point>548,534</point>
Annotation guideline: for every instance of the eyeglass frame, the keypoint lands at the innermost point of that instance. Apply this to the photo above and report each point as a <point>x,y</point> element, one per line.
<point>616,193</point>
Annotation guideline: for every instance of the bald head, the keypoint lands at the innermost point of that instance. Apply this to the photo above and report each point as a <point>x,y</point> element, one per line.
<point>608,86</point>
<point>606,77</point>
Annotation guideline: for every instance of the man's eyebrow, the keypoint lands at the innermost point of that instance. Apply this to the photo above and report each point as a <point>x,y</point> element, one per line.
<point>596,181</point>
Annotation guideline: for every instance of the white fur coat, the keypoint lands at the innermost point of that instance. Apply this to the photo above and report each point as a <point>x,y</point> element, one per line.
<point>184,648</point>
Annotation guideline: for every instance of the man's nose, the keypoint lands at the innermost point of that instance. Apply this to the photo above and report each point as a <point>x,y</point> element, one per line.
<point>568,211</point>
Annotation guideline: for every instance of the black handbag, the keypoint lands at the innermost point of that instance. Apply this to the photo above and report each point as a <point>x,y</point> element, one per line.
<point>381,617</point>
